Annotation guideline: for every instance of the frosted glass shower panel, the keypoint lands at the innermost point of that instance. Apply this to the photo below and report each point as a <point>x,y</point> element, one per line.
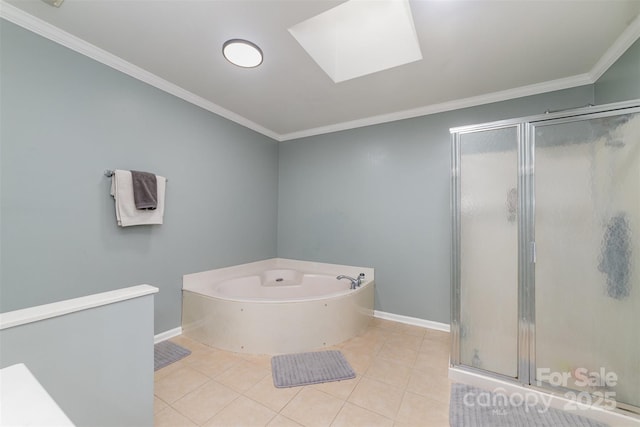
<point>587,291</point>
<point>489,250</point>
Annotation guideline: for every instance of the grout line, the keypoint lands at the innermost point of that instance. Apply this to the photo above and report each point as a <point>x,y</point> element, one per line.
<point>262,404</point>
<point>222,409</point>
<point>344,402</point>
<point>372,350</point>
<point>284,416</point>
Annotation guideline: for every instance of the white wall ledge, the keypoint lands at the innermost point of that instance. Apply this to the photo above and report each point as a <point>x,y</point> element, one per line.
<point>41,312</point>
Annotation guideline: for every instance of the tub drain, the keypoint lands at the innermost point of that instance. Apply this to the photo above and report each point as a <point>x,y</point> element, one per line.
<point>280,279</point>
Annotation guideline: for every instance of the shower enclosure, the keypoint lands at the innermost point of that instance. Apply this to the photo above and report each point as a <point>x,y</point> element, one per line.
<point>546,253</point>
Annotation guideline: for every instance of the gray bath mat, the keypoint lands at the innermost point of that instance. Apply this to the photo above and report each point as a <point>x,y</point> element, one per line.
<point>166,352</point>
<point>474,407</point>
<point>292,370</point>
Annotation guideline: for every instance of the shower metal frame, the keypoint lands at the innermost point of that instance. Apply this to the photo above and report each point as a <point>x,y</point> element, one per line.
<point>525,127</point>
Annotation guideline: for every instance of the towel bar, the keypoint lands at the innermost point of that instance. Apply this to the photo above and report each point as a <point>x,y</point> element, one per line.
<point>109,173</point>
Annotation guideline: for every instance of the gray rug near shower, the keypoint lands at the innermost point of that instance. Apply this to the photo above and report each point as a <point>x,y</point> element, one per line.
<point>474,407</point>
<point>292,370</point>
<point>166,352</point>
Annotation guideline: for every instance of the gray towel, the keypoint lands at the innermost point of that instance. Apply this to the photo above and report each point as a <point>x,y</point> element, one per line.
<point>145,190</point>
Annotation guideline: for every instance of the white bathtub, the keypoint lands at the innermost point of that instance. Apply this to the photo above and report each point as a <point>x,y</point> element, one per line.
<point>276,306</point>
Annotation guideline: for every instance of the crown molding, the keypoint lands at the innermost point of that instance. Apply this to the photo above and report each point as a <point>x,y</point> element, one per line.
<point>57,35</point>
<point>53,33</point>
<point>617,49</point>
<point>629,36</point>
<point>535,89</point>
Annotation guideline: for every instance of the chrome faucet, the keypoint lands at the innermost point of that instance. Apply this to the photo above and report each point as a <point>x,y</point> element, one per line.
<point>355,283</point>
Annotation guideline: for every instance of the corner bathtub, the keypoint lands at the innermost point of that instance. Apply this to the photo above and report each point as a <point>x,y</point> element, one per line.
<point>276,306</point>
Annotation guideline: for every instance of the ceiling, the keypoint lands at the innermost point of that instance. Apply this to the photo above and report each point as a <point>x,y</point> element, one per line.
<point>473,52</point>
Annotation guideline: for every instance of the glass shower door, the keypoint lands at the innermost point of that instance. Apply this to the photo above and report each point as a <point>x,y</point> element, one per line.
<point>587,271</point>
<point>488,249</point>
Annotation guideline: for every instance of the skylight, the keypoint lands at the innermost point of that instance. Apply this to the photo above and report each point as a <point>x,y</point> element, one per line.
<point>360,37</point>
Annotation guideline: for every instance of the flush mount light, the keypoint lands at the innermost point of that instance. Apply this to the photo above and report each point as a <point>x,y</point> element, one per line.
<point>242,53</point>
<point>56,3</point>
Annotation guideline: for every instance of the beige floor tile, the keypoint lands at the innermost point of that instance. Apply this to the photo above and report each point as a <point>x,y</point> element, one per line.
<point>178,383</point>
<point>213,363</point>
<point>204,402</point>
<point>377,396</point>
<point>433,423</point>
<point>194,346</point>
<point>429,343</point>
<point>313,408</point>
<point>420,410</point>
<point>403,355</point>
<point>404,340</point>
<point>414,330</point>
<point>354,353</point>
<point>363,345</point>
<point>441,336</point>
<point>354,416</point>
<point>242,412</point>
<point>379,330</point>
<point>359,361</point>
<point>379,334</point>
<point>430,384</point>
<point>435,349</point>
<point>263,360</point>
<point>169,417</point>
<point>282,421</point>
<point>163,372</point>
<point>339,389</point>
<point>158,404</point>
<point>402,381</point>
<point>390,372</point>
<point>243,376</point>
<point>274,398</point>
<point>385,324</point>
<point>433,362</point>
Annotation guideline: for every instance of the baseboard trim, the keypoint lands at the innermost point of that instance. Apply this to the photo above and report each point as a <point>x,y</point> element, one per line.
<point>412,321</point>
<point>163,336</point>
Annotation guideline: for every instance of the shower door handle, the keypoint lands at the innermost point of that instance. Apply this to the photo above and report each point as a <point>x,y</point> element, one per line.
<point>533,252</point>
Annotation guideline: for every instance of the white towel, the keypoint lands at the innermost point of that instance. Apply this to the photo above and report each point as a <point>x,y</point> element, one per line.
<point>126,212</point>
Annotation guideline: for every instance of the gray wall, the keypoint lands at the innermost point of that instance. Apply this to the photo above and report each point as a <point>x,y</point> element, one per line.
<point>97,364</point>
<point>375,196</point>
<point>621,82</point>
<point>65,119</point>
<point>379,197</point>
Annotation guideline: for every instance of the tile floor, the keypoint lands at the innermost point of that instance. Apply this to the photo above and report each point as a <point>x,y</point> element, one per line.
<point>401,380</point>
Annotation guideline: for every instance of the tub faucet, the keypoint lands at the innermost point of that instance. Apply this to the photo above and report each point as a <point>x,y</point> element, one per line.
<point>355,283</point>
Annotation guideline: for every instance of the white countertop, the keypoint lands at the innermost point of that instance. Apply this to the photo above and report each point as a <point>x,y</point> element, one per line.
<point>24,402</point>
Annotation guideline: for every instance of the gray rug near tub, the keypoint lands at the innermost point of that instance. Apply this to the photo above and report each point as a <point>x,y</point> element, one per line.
<point>292,370</point>
<point>474,407</point>
<point>166,352</point>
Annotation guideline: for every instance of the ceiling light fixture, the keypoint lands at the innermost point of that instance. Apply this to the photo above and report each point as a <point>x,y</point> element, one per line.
<point>56,3</point>
<point>242,53</point>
